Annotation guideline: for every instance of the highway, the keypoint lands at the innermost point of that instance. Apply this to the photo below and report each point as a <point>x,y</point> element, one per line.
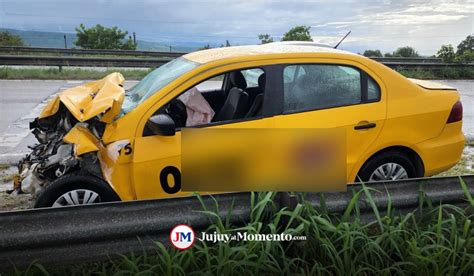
<point>22,100</point>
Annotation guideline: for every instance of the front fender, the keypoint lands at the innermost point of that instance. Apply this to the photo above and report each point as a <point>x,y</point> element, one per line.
<point>82,139</point>
<point>108,155</point>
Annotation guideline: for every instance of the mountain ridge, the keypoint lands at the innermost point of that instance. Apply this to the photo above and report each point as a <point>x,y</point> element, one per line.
<point>56,40</point>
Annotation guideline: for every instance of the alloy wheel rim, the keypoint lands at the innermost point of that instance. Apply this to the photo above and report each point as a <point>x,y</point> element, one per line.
<point>389,171</point>
<point>77,197</point>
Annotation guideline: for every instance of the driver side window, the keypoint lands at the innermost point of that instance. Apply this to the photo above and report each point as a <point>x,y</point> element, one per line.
<point>236,95</point>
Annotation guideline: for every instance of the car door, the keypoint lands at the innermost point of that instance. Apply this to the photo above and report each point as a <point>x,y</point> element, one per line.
<point>330,95</point>
<point>157,159</point>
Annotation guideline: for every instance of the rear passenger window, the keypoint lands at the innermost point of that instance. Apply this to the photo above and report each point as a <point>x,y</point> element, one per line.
<point>373,90</point>
<point>318,86</point>
<point>292,72</point>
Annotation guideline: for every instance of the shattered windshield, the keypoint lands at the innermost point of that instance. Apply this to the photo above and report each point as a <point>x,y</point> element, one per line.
<point>154,81</point>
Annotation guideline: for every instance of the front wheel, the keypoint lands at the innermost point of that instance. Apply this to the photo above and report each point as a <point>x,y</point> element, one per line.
<point>387,166</point>
<point>71,190</point>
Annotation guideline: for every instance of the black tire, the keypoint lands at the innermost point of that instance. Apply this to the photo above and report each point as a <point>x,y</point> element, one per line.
<point>68,183</point>
<point>390,156</point>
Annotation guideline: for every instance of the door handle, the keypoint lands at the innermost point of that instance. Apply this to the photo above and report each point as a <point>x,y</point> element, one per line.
<point>365,126</point>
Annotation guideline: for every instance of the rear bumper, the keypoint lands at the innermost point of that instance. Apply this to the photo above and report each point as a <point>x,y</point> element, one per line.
<point>443,152</point>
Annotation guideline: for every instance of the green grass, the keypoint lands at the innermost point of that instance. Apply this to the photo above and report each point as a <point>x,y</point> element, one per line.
<point>437,241</point>
<point>67,73</point>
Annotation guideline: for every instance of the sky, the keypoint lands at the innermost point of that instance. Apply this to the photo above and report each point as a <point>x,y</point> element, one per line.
<point>384,25</point>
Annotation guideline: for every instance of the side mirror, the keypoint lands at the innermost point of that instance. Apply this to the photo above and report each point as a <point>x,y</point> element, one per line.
<point>161,124</point>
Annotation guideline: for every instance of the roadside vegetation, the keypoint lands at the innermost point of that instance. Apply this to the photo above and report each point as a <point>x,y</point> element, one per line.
<point>463,54</point>
<point>437,240</point>
<point>68,74</point>
<point>447,73</point>
<point>9,39</point>
<point>100,37</point>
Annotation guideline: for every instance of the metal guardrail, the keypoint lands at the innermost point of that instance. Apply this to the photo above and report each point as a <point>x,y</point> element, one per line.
<point>412,59</point>
<point>426,65</point>
<point>57,236</point>
<point>22,50</point>
<point>82,61</point>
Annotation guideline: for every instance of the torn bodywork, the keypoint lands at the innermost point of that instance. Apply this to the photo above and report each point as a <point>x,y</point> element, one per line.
<point>69,132</point>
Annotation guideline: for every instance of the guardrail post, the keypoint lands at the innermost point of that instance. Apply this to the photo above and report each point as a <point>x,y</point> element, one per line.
<point>288,200</point>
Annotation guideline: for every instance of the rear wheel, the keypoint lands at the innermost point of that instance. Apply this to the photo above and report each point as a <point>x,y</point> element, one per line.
<point>71,190</point>
<point>386,166</point>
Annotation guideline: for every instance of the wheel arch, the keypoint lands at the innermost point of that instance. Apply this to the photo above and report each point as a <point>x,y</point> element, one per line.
<point>409,152</point>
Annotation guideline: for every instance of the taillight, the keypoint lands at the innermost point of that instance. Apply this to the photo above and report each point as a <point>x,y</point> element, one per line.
<point>456,113</point>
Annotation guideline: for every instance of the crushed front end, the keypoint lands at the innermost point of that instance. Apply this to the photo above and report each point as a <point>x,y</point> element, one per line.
<point>69,132</point>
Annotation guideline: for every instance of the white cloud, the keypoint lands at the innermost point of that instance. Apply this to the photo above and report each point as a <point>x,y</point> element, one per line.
<point>332,40</point>
<point>462,8</point>
<point>412,19</point>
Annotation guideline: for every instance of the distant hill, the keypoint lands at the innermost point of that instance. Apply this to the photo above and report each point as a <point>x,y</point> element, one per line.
<point>56,40</point>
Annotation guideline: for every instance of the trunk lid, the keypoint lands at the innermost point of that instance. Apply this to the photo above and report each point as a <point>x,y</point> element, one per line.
<point>431,85</point>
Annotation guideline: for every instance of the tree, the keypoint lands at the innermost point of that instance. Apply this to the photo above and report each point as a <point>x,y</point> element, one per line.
<point>298,33</point>
<point>265,38</point>
<point>388,55</point>
<point>100,37</point>
<point>466,45</point>
<point>9,39</point>
<point>446,53</point>
<point>405,52</point>
<point>372,53</point>
<point>466,57</point>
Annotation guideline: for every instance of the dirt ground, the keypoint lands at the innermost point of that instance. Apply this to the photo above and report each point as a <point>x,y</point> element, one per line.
<point>10,202</point>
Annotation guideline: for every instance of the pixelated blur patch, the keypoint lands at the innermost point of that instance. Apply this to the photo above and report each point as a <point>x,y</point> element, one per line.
<point>234,160</point>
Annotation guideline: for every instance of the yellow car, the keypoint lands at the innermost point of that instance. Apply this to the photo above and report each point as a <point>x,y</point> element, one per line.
<point>100,143</point>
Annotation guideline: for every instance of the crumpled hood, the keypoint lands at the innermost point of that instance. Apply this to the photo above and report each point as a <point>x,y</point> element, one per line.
<point>102,97</point>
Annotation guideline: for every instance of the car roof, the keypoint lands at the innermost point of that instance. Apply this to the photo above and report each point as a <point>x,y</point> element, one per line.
<point>215,54</point>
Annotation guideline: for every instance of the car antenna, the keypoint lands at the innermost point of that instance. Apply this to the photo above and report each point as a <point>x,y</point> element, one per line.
<point>335,47</point>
